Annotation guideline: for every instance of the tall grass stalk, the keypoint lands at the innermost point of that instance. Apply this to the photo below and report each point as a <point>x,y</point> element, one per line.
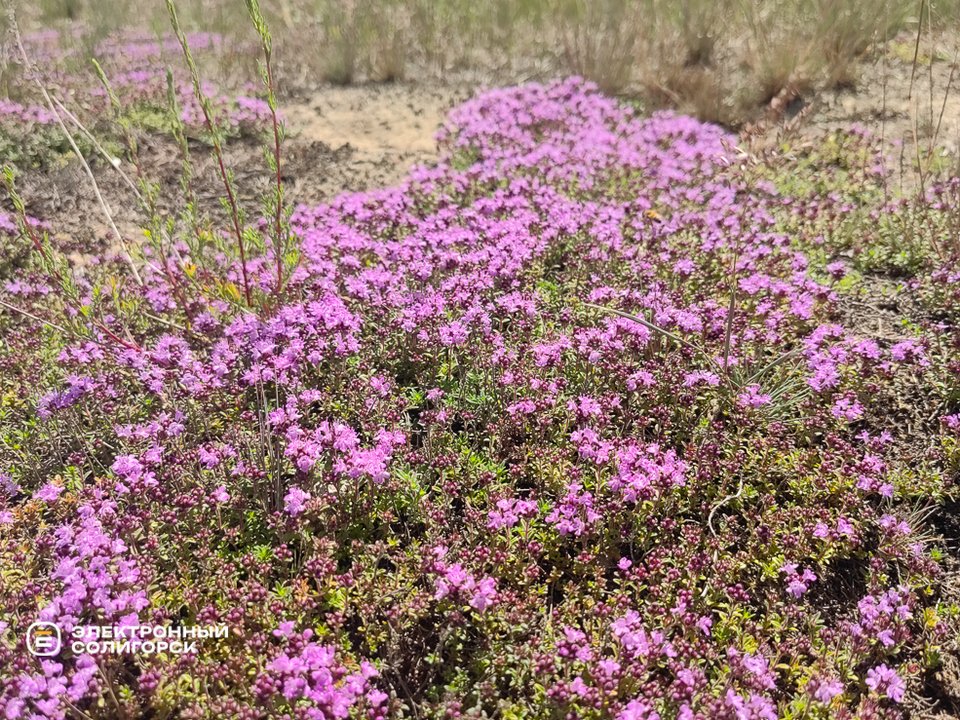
<point>192,214</point>
<point>160,234</point>
<point>68,288</point>
<point>14,28</point>
<point>280,231</point>
<point>214,131</point>
<point>146,194</point>
<point>921,174</point>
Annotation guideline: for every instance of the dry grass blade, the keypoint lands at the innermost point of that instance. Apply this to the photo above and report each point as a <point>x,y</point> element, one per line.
<point>93,181</point>
<point>655,328</point>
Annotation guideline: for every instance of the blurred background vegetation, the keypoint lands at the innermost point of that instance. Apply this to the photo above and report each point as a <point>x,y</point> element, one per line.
<point>719,60</point>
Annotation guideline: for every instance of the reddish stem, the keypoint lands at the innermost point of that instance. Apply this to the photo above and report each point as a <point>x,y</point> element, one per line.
<point>276,155</point>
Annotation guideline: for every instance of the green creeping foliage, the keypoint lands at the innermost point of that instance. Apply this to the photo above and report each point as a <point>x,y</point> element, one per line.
<point>36,147</point>
<point>901,245</point>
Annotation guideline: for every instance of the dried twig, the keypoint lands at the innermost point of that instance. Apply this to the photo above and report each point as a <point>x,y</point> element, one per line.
<point>53,109</point>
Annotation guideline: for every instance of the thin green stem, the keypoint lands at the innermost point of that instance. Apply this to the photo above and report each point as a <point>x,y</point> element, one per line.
<point>217,147</point>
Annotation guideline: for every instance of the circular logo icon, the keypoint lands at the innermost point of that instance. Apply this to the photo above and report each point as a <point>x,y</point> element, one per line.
<point>43,639</point>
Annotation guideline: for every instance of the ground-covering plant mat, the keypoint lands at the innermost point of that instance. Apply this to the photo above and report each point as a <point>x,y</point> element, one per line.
<point>577,423</point>
<point>146,75</point>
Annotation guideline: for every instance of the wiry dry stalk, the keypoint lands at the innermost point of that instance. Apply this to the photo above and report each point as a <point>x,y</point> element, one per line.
<point>913,122</point>
<point>69,296</point>
<point>205,108</point>
<point>266,71</point>
<point>93,181</point>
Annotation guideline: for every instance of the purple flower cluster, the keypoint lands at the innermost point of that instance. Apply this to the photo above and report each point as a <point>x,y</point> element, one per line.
<point>509,512</point>
<point>428,387</point>
<point>884,619</point>
<point>341,444</point>
<point>455,582</point>
<point>797,583</point>
<point>135,65</point>
<point>95,570</point>
<point>12,112</point>
<point>886,681</point>
<point>312,680</point>
<point>45,690</point>
<point>94,575</point>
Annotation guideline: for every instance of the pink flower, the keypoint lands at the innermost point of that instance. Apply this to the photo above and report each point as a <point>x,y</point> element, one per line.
<point>485,594</point>
<point>453,334</point>
<point>752,397</point>
<point>797,584</point>
<point>684,267</point>
<point>700,376</point>
<point>848,409</point>
<point>641,377</point>
<point>906,349</point>
<point>638,709</point>
<point>504,518</point>
<point>886,681</point>
<point>295,501</point>
<point>285,629</point>
<point>827,690</point>
<point>844,527</point>
<point>48,493</point>
<point>381,386</point>
<point>837,270</point>
<point>209,459</point>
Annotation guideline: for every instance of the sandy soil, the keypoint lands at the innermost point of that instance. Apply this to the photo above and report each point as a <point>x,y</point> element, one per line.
<point>905,105</point>
<point>386,127</point>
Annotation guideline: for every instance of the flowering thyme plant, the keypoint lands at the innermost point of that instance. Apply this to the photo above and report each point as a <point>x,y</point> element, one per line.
<point>424,482</point>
